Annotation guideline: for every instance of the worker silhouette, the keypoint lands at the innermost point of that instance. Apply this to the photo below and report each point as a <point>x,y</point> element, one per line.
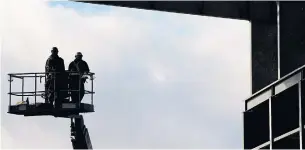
<point>77,81</point>
<point>55,78</point>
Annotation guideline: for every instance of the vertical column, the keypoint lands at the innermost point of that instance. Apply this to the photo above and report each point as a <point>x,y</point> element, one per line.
<point>91,77</point>
<point>35,88</point>
<point>271,138</point>
<point>278,41</point>
<point>301,123</point>
<point>270,124</point>
<point>292,39</point>
<point>292,46</point>
<point>46,89</point>
<point>10,97</point>
<point>22,89</point>
<point>264,34</point>
<point>300,116</point>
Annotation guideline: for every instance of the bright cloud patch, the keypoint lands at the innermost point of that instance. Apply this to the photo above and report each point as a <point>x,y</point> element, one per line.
<point>164,80</point>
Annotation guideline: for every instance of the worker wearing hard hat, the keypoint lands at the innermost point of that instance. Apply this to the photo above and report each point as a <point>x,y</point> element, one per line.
<point>77,83</point>
<point>54,64</point>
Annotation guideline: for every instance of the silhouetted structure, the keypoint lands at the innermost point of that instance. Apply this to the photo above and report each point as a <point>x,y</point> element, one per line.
<point>273,117</point>
<point>53,93</point>
<point>77,81</point>
<point>79,134</point>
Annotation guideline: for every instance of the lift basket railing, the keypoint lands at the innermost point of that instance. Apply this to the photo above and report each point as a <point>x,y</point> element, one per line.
<point>55,78</point>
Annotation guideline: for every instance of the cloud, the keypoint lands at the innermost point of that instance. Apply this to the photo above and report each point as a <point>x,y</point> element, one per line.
<point>164,80</point>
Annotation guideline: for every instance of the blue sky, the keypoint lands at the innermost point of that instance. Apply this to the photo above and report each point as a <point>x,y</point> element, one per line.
<point>84,8</point>
<point>161,78</point>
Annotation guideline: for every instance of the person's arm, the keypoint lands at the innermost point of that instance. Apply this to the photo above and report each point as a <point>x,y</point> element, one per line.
<point>47,67</point>
<point>70,67</point>
<point>62,65</point>
<point>86,69</point>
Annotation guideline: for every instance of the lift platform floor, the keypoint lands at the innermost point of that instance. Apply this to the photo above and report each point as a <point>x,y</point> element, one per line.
<point>44,109</point>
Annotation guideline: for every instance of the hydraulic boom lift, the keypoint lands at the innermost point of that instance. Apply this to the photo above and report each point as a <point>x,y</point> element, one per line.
<point>64,107</point>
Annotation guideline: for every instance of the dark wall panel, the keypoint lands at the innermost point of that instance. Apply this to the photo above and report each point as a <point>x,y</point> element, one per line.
<point>285,111</point>
<point>263,12</point>
<point>256,126</point>
<point>263,16</point>
<point>264,55</point>
<point>292,36</point>
<point>290,142</point>
<point>226,9</point>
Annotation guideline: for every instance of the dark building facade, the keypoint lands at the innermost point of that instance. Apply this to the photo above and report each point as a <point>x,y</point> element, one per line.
<point>273,116</point>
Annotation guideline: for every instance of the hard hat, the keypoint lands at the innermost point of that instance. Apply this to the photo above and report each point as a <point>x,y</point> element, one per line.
<point>78,54</point>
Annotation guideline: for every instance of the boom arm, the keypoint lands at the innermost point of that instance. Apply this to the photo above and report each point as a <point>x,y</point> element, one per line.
<point>79,134</point>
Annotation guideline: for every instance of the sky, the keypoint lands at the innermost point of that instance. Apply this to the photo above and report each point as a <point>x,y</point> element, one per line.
<point>163,80</point>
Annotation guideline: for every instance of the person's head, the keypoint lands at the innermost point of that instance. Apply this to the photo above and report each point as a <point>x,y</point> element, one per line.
<point>54,51</point>
<point>78,56</point>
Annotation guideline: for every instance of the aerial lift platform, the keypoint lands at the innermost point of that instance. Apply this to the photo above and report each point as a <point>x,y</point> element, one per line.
<point>29,105</point>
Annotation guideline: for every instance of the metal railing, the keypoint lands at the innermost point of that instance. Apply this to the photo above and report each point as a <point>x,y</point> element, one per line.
<point>51,76</point>
<point>272,86</point>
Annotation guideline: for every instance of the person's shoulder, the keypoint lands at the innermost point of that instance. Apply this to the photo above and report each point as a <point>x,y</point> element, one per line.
<point>49,58</point>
